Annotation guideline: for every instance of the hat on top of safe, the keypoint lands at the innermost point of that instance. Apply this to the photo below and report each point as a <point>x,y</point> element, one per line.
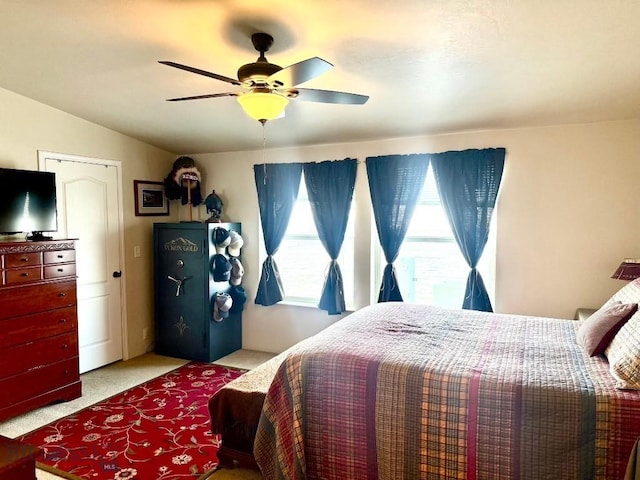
<point>235,243</point>
<point>221,268</point>
<point>237,271</point>
<point>221,305</point>
<point>221,238</point>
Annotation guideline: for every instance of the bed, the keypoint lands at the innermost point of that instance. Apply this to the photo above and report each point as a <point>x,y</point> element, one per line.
<point>235,411</point>
<point>402,391</point>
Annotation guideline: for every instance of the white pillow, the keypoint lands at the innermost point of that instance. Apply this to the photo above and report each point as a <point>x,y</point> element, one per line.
<point>623,352</point>
<point>624,355</point>
<point>630,293</point>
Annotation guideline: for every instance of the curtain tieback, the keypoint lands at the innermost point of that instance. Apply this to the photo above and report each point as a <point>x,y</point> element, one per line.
<point>332,268</point>
<point>393,284</point>
<point>268,263</point>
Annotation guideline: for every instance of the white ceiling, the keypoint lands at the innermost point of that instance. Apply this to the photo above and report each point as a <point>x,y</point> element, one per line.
<point>429,66</point>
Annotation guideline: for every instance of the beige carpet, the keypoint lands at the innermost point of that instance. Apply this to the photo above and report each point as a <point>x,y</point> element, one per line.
<point>117,377</point>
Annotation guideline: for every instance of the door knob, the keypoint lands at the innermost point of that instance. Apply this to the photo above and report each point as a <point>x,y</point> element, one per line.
<point>117,274</point>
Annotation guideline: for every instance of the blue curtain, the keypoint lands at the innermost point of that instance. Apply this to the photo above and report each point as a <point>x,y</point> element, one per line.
<point>277,185</point>
<point>468,183</point>
<point>395,183</point>
<point>330,188</point>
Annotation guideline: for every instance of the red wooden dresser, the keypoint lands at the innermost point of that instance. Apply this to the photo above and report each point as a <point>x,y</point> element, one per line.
<point>38,325</point>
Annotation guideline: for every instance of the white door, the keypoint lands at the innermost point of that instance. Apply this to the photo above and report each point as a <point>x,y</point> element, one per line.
<point>89,210</point>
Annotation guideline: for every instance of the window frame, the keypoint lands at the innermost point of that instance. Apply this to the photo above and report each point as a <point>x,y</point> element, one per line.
<point>347,268</point>
<point>486,265</point>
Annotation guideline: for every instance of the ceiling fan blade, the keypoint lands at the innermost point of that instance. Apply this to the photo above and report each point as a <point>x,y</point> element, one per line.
<point>327,96</point>
<point>198,97</point>
<point>200,72</point>
<point>299,72</point>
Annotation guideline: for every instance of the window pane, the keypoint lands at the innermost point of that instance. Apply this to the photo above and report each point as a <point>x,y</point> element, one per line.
<point>301,222</point>
<point>302,260</point>
<point>429,221</point>
<point>302,264</point>
<point>433,273</point>
<point>430,267</point>
<point>429,193</point>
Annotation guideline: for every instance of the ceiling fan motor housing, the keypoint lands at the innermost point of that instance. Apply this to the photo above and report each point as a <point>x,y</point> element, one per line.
<point>257,72</point>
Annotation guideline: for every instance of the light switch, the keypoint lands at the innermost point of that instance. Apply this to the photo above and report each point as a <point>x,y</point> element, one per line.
<point>136,251</point>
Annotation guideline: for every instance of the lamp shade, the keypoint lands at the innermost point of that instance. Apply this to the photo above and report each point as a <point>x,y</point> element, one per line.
<point>627,271</point>
<point>263,106</point>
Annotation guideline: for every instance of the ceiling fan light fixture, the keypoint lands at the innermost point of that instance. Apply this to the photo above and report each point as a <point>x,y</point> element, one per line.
<point>263,106</point>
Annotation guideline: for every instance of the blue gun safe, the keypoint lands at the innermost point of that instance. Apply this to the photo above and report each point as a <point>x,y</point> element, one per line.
<point>184,294</point>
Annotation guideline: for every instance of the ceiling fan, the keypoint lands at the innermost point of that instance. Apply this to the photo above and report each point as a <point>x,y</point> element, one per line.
<point>267,87</point>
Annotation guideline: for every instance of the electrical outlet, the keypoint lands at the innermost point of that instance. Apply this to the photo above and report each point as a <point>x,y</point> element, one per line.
<point>145,333</point>
<point>136,251</point>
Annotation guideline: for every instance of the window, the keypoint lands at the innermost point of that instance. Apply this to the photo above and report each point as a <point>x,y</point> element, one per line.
<point>302,260</point>
<point>430,268</point>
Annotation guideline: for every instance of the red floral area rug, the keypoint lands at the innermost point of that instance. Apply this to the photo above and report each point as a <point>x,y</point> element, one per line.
<point>158,430</point>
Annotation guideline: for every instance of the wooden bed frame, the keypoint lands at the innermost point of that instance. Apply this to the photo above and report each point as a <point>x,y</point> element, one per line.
<point>231,458</point>
<point>235,412</point>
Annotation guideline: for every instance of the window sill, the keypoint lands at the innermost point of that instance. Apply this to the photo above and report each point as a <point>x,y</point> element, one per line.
<point>298,303</point>
<point>313,305</point>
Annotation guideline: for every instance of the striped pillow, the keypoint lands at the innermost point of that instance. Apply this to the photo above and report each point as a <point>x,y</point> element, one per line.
<point>624,350</point>
<point>624,355</point>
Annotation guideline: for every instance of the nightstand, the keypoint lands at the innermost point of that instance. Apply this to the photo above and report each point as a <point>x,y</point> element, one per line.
<point>584,313</point>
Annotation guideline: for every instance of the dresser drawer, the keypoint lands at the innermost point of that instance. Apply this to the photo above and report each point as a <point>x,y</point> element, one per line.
<point>29,356</point>
<point>62,270</point>
<point>24,386</point>
<point>26,299</point>
<point>40,325</point>
<point>22,275</point>
<point>60,256</point>
<point>16,260</point>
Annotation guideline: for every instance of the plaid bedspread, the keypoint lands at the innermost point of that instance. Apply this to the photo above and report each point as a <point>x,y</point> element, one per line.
<point>400,391</point>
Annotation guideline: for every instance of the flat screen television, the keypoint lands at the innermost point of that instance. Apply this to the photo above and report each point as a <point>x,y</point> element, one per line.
<point>28,203</point>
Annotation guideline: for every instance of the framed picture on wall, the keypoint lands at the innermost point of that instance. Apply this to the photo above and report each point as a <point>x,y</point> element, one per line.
<point>150,198</point>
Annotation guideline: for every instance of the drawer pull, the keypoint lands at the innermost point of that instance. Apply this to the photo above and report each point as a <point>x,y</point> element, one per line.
<point>65,372</point>
<point>62,294</point>
<point>24,274</point>
<point>24,259</point>
<point>60,256</point>
<point>65,346</point>
<point>63,320</point>
<point>61,269</point>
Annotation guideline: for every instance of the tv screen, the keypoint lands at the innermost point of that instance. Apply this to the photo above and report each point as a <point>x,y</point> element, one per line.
<point>27,201</point>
